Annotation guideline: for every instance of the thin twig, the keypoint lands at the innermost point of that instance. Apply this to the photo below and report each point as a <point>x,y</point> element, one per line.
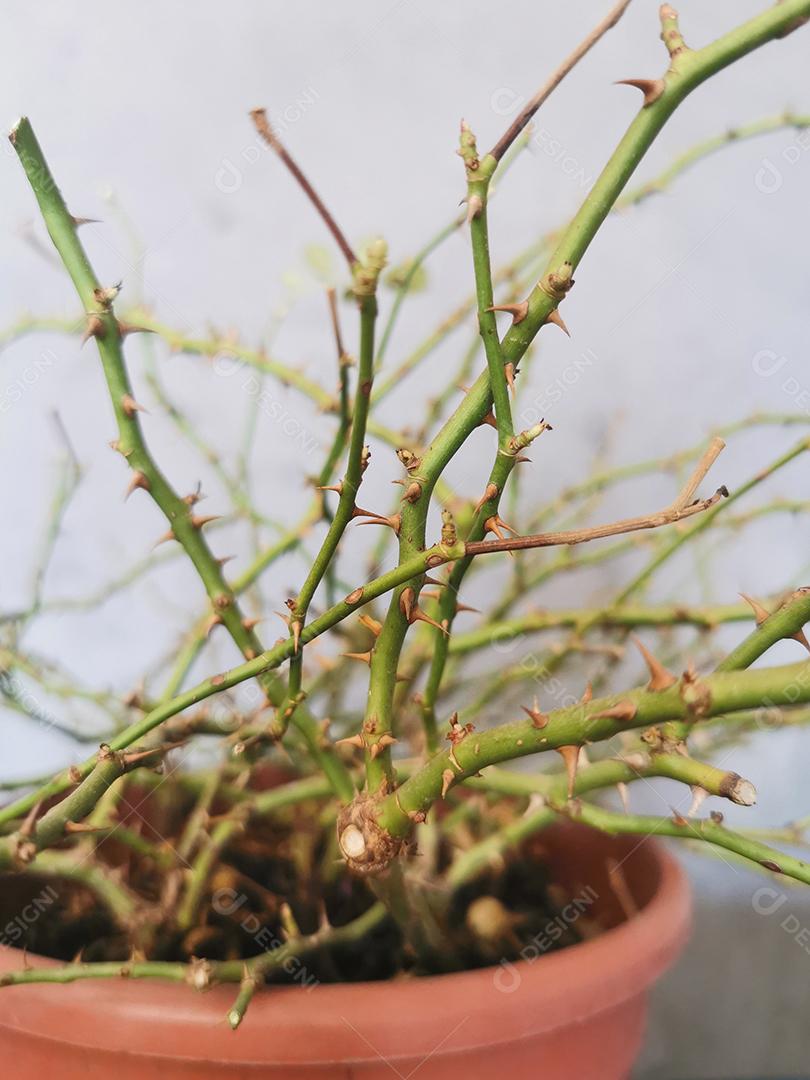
<point>528,111</point>
<point>262,125</point>
<point>678,510</point>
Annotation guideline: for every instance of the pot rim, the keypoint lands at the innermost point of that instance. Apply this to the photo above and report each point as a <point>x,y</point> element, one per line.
<point>365,1021</point>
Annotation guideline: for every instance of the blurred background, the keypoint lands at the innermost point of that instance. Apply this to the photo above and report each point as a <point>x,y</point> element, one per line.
<point>689,313</point>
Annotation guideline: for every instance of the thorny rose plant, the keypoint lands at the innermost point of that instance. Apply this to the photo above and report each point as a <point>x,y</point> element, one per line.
<point>418,769</point>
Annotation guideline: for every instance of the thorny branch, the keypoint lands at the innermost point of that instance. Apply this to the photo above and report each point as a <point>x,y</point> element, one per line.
<point>657,724</point>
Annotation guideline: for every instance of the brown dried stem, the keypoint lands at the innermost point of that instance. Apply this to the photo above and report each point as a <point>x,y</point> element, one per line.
<point>554,80</point>
<point>681,508</point>
<point>265,130</point>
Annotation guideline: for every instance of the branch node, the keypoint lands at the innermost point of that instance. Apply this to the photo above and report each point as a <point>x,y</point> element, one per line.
<point>671,31</point>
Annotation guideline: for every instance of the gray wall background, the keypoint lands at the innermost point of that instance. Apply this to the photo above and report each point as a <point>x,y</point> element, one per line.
<point>675,300</point>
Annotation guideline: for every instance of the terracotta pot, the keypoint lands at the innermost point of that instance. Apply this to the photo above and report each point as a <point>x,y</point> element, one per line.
<point>575,1013</point>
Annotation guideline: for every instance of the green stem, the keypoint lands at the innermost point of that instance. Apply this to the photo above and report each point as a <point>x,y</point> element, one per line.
<point>592,722</point>
<point>204,973</point>
<point>185,525</point>
<point>345,508</point>
<point>786,622</point>
<point>688,69</point>
<point>554,788</point>
<point>629,616</point>
<point>705,829</point>
<point>413,569</point>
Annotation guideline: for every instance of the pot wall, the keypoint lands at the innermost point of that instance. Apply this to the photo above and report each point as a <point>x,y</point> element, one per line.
<point>577,1013</point>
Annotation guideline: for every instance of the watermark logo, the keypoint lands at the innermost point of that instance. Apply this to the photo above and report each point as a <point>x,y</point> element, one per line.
<point>768,364</point>
<point>768,178</point>
<point>229,176</point>
<point>229,902</point>
<point>15,391</point>
<point>16,930</point>
<point>226,365</point>
<point>768,901</point>
<point>504,101</point>
<point>507,978</point>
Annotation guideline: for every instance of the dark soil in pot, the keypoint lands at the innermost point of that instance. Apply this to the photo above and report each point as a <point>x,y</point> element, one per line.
<point>286,870</point>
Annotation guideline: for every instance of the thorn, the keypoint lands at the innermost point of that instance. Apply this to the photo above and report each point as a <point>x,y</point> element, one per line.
<point>475,204</point>
<point>517,311</point>
<point>125,329</point>
<point>27,828</point>
<point>496,524</point>
<point>491,491</point>
<point>539,719</point>
<point>197,520</point>
<point>652,89</point>
<point>624,711</point>
<point>489,420</point>
<point>363,657</point>
<point>557,319</point>
<point>331,487</point>
<point>587,694</point>
<point>131,406</point>
<point>699,795</point>
<point>432,581</point>
<point>352,740</point>
<point>384,741</point>
<point>801,637</point>
<point>138,480</point>
<point>371,624</point>
<point>394,522</point>
<point>407,599</point>
<point>417,615</point>
<point>249,622</point>
<point>211,622</point>
<point>94,328</point>
<point>142,755</point>
<point>570,755</point>
<point>79,221</point>
<point>466,607</point>
<point>509,373</point>
<point>82,827</point>
<point>760,613</point>
<point>166,536</point>
<point>295,627</point>
<point>620,888</point>
<point>413,493</point>
<point>660,678</point>
<point>624,793</point>
<point>448,776</point>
